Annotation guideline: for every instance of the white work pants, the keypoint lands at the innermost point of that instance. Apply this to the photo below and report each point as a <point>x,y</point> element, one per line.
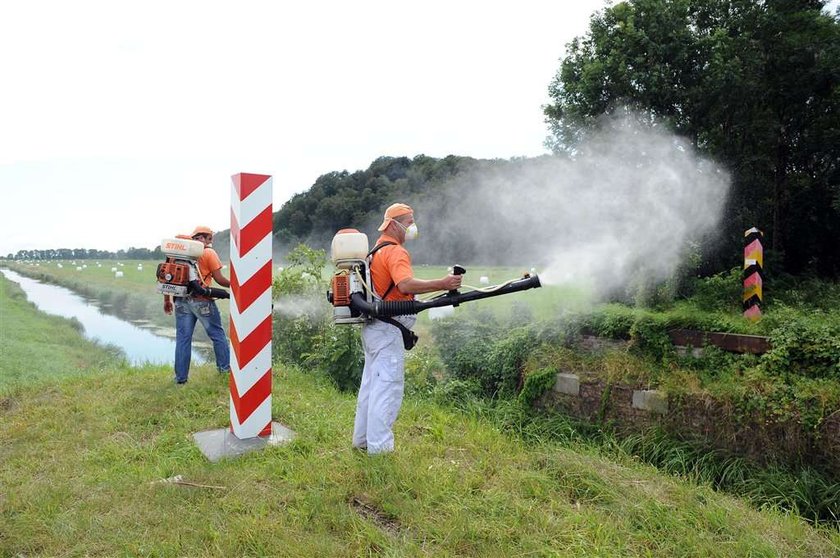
<point>381,390</point>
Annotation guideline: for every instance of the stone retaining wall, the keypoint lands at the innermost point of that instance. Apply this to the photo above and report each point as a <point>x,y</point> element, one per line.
<point>761,439</point>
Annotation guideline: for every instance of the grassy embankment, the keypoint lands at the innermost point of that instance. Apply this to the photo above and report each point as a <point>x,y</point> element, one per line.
<point>83,456</point>
<point>37,347</point>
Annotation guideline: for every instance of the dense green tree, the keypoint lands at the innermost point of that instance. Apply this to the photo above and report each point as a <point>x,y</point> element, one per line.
<point>754,84</point>
<point>341,199</point>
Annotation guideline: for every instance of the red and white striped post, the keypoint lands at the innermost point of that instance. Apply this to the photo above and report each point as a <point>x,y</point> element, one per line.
<point>250,305</point>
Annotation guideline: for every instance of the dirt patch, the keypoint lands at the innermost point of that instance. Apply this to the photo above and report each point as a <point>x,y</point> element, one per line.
<point>7,404</point>
<point>366,508</point>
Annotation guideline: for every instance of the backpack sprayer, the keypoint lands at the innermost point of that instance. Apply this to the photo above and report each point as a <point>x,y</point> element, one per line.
<point>354,301</point>
<point>178,275</point>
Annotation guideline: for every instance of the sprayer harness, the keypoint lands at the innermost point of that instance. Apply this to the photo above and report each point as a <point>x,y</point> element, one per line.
<point>409,337</point>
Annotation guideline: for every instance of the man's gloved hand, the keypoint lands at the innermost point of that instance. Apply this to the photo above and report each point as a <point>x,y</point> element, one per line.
<point>167,305</point>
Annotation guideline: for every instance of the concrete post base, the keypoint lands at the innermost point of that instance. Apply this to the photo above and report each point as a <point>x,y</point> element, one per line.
<point>221,443</point>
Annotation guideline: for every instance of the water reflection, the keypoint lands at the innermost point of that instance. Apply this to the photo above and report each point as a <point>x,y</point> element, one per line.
<point>140,345</point>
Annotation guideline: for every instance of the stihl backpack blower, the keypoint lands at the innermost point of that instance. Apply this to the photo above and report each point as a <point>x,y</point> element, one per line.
<point>354,301</point>
<point>178,275</point>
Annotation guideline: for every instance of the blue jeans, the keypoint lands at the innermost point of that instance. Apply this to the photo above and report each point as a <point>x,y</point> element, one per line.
<point>187,313</point>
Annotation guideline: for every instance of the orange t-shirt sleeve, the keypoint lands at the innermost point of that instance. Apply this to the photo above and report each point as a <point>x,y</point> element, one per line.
<point>213,261</point>
<point>399,265</point>
<point>207,264</point>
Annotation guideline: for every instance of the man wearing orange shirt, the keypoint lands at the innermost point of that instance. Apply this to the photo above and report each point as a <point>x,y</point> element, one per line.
<point>197,308</point>
<point>381,390</point>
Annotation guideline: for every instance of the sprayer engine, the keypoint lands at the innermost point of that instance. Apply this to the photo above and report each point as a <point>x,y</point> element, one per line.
<point>174,275</point>
<point>349,254</point>
<point>352,297</point>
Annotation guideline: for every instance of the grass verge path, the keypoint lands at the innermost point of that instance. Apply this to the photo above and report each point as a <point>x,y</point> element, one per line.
<point>81,465</point>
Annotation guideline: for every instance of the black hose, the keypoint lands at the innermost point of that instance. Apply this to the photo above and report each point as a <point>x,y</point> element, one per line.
<point>381,309</point>
<point>213,292</point>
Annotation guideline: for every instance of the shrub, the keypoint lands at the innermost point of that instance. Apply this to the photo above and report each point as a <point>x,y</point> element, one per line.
<point>719,293</point>
<point>613,321</point>
<point>423,369</point>
<point>464,343</point>
<point>293,338</point>
<point>649,334</point>
<point>536,384</point>
<point>338,353</point>
<point>301,311</point>
<point>457,392</point>
<point>806,345</point>
<point>482,350</point>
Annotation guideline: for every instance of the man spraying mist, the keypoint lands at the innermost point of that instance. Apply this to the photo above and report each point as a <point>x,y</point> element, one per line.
<point>383,380</point>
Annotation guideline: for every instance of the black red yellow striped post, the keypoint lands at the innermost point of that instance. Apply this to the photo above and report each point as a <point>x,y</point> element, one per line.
<point>753,274</point>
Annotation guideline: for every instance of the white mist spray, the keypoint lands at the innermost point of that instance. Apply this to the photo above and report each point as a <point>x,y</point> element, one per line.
<point>624,209</point>
<point>312,307</point>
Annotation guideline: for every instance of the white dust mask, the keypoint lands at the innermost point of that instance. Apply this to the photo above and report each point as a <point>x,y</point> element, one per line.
<point>410,231</point>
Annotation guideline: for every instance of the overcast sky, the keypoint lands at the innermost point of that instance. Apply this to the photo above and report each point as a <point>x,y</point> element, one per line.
<point>121,123</point>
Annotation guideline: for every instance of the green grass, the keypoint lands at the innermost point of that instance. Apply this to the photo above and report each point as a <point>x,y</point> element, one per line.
<point>36,346</point>
<point>82,458</point>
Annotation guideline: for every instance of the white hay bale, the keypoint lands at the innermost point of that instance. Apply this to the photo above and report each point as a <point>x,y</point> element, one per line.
<point>118,274</point>
<point>484,280</point>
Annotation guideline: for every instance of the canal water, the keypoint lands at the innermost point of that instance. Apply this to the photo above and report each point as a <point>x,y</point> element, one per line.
<point>140,345</point>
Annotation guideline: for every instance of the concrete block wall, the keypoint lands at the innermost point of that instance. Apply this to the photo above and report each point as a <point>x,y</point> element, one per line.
<point>588,400</point>
<point>692,416</point>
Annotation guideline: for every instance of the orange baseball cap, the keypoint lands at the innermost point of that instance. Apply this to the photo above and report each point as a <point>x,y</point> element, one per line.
<point>202,230</point>
<point>394,210</point>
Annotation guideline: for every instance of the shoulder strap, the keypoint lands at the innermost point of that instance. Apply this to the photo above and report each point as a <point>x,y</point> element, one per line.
<point>376,249</point>
<point>380,246</point>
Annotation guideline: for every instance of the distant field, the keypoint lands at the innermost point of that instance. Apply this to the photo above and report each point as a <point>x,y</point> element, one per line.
<point>139,279</point>
<point>99,273</point>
